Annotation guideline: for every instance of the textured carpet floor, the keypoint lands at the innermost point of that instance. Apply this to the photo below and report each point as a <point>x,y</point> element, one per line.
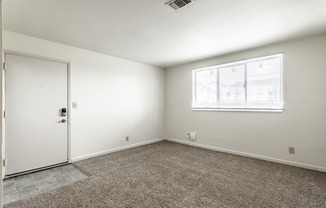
<point>166,174</point>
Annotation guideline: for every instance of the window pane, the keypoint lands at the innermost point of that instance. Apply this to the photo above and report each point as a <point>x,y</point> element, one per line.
<point>232,91</point>
<point>255,83</point>
<point>206,88</point>
<point>264,83</point>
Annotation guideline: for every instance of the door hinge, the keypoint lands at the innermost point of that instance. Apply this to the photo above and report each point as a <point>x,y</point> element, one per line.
<point>4,114</point>
<point>4,162</point>
<point>4,66</point>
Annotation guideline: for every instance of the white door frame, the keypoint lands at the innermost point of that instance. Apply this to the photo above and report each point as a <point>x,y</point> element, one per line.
<point>68,63</point>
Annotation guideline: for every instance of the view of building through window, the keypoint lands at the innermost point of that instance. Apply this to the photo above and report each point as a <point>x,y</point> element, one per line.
<point>255,84</point>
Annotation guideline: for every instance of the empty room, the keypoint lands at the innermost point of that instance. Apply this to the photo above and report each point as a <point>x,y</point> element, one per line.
<point>163,103</point>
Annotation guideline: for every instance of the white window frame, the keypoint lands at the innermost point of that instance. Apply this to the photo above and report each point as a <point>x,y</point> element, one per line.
<point>244,62</point>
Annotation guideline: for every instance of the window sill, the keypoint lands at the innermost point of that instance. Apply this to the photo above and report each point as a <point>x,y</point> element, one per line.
<point>239,110</point>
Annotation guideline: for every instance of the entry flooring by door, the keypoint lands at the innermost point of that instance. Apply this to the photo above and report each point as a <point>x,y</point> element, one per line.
<point>32,184</point>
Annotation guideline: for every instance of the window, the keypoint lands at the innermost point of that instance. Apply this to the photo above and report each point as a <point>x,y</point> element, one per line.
<point>249,84</point>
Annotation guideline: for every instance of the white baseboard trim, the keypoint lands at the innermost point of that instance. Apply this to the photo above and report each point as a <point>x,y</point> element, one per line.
<point>115,150</point>
<point>270,159</point>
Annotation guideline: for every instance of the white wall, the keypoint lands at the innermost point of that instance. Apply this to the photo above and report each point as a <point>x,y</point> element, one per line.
<point>1,101</point>
<point>301,125</point>
<point>116,97</point>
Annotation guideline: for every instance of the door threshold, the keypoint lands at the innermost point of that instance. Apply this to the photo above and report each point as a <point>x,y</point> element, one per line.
<point>35,170</point>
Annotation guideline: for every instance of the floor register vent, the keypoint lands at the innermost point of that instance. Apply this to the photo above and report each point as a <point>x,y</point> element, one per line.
<point>178,4</point>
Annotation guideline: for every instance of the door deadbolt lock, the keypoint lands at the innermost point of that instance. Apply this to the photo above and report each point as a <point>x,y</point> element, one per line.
<point>63,112</point>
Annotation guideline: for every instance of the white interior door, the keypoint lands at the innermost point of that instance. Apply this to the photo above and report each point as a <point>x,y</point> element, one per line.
<point>36,93</point>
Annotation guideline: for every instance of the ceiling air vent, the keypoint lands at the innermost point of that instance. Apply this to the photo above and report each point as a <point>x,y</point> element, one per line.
<point>178,4</point>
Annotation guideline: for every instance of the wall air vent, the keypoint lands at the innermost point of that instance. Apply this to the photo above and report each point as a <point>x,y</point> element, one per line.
<point>178,4</point>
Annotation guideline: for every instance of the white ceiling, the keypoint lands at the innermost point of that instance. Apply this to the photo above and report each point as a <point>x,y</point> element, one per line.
<point>150,32</point>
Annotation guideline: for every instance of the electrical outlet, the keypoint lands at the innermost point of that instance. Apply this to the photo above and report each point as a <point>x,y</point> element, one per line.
<point>291,150</point>
<point>192,136</point>
<point>4,162</point>
<point>127,138</point>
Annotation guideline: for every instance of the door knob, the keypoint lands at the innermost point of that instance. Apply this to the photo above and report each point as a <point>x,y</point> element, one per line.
<point>63,121</point>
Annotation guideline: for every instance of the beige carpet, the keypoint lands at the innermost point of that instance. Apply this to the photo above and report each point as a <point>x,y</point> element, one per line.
<point>166,174</point>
